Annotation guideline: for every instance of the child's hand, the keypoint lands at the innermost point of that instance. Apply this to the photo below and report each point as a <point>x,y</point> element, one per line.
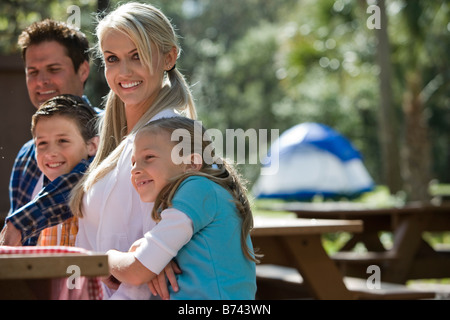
<point>10,235</point>
<point>158,285</point>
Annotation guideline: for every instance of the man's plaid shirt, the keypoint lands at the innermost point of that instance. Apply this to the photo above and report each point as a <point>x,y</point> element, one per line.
<point>50,206</point>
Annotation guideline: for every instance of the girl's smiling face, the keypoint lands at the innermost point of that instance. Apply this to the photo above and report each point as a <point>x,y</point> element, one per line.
<point>152,165</point>
<point>59,145</point>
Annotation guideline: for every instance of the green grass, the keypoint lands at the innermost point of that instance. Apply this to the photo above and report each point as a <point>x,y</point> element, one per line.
<point>439,189</point>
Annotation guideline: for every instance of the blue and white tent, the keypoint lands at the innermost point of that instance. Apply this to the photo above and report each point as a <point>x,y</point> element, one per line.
<point>313,159</point>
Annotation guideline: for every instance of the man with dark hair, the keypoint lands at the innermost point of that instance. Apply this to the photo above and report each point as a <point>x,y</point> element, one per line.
<point>56,62</point>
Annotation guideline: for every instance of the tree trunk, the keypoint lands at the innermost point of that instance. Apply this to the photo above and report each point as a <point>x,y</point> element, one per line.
<point>417,154</point>
<point>387,121</point>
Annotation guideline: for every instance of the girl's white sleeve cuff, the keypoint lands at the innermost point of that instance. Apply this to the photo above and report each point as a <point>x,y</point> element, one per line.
<point>163,242</point>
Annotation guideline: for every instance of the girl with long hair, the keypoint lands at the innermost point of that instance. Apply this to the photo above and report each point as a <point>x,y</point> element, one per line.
<point>188,182</point>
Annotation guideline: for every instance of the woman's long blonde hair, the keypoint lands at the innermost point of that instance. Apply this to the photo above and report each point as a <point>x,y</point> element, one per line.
<point>213,167</point>
<point>144,25</point>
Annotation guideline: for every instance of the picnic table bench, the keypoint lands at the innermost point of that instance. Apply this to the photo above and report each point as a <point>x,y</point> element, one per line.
<point>410,257</point>
<point>297,244</point>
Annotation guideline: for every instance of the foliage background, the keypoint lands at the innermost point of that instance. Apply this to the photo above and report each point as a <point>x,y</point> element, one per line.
<point>258,64</point>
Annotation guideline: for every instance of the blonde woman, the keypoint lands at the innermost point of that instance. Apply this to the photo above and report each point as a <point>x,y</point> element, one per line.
<point>139,48</point>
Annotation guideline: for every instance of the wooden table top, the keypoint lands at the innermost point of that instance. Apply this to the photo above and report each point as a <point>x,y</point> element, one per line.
<point>51,265</point>
<point>296,226</point>
<point>349,209</point>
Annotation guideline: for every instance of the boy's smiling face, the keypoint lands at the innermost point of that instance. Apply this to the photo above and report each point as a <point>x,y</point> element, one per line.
<point>59,145</point>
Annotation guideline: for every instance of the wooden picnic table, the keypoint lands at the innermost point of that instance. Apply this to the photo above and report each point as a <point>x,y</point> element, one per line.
<point>297,243</point>
<point>411,257</point>
<point>42,273</point>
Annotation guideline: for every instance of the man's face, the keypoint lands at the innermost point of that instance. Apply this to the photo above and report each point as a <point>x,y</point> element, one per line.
<point>50,72</point>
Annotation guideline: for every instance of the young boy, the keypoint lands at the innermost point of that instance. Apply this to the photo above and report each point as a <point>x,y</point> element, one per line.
<point>65,136</point>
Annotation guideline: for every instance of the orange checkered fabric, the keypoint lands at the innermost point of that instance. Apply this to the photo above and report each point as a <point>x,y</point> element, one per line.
<point>66,232</point>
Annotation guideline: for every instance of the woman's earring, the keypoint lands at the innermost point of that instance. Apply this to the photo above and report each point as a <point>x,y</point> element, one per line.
<point>173,67</point>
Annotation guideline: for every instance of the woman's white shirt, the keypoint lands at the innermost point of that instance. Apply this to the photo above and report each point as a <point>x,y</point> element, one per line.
<point>113,214</point>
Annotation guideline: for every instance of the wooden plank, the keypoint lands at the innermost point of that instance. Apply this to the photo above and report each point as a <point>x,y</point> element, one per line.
<point>374,218</point>
<point>274,227</point>
<point>410,258</point>
<point>363,257</point>
<point>350,208</point>
<point>272,249</point>
<point>318,270</point>
<point>407,242</point>
<point>41,266</point>
<point>276,282</point>
<point>386,291</point>
<point>297,242</point>
<point>306,254</point>
<point>286,283</point>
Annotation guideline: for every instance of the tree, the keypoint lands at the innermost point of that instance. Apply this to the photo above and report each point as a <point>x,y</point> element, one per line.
<point>258,64</point>
<point>422,62</point>
<point>387,119</point>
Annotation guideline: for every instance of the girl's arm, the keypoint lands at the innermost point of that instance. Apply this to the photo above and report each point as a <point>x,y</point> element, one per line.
<point>152,252</point>
<point>126,268</point>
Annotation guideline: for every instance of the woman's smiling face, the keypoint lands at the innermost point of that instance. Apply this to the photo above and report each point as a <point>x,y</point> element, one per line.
<point>125,73</point>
